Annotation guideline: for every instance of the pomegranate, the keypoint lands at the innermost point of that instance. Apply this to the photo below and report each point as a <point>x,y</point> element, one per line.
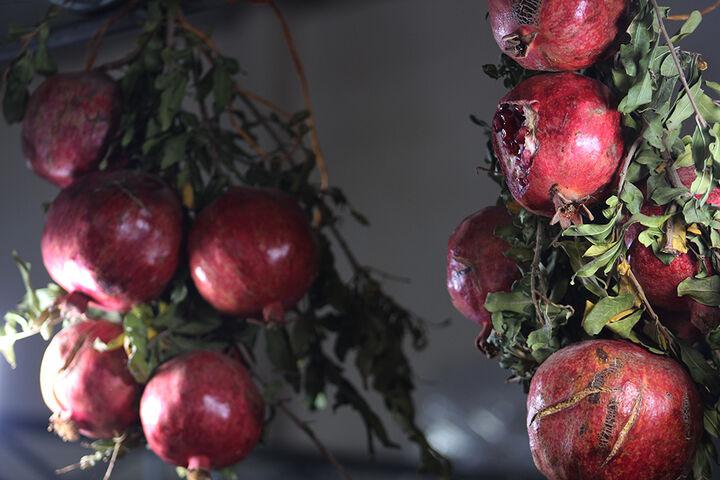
<point>557,35</point>
<point>611,410</point>
<point>89,392</point>
<point>115,237</point>
<point>660,281</point>
<point>69,122</point>
<point>703,317</point>
<point>252,251</point>
<point>477,265</point>
<point>688,175</point>
<point>558,140</point>
<point>202,411</point>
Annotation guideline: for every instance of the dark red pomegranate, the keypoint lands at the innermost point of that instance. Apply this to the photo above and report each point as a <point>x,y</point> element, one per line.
<point>557,35</point>
<point>660,281</point>
<point>558,141</point>
<point>69,122</point>
<point>688,175</point>
<point>253,252</point>
<point>477,265</point>
<point>703,317</point>
<point>89,392</point>
<point>202,411</point>
<point>114,236</point>
<point>611,410</point>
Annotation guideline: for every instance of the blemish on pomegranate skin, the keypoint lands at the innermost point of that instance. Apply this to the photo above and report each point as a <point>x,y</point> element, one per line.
<point>526,12</point>
<point>687,422</point>
<point>609,423</point>
<point>601,354</point>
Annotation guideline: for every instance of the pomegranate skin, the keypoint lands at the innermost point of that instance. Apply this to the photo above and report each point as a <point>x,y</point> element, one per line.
<point>558,140</point>
<point>703,317</point>
<point>557,35</point>
<point>96,391</point>
<point>660,281</point>
<point>252,251</point>
<point>687,177</point>
<point>611,410</point>
<point>115,237</point>
<point>477,265</point>
<point>69,122</point>
<point>202,411</point>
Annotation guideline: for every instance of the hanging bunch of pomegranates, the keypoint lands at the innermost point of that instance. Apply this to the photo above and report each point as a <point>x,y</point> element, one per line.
<point>595,278</point>
<point>195,225</point>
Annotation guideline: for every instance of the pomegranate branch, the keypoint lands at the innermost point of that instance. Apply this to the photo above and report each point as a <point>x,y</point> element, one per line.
<point>702,123</point>
<point>535,272</point>
<point>685,16</point>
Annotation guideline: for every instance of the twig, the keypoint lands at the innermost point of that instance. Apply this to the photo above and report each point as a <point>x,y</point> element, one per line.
<point>698,116</point>
<point>113,458</point>
<point>300,70</point>
<point>97,39</point>
<point>311,435</point>
<point>345,248</point>
<point>641,293</point>
<point>127,59</point>
<point>685,16</point>
<point>263,101</point>
<point>628,159</point>
<point>535,271</point>
<point>246,137</point>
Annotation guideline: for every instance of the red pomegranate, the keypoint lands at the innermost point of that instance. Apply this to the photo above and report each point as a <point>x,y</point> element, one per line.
<point>69,122</point>
<point>611,410</point>
<point>557,35</point>
<point>252,251</point>
<point>558,141</point>
<point>660,281</point>
<point>477,265</point>
<point>703,317</point>
<point>202,411</point>
<point>688,175</point>
<point>114,236</point>
<point>89,392</point>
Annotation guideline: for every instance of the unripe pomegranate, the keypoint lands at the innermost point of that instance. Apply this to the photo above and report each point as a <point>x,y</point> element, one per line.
<point>252,251</point>
<point>557,35</point>
<point>477,265</point>
<point>611,410</point>
<point>558,140</point>
<point>89,392</point>
<point>69,122</point>
<point>114,236</point>
<point>660,281</point>
<point>202,411</point>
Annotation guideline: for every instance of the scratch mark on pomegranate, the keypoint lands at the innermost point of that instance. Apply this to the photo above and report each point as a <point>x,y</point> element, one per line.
<point>686,417</point>
<point>609,423</point>
<point>625,432</point>
<point>526,12</point>
<point>569,403</point>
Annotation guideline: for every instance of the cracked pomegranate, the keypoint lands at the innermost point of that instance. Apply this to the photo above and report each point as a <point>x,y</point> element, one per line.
<point>253,252</point>
<point>89,392</point>
<point>557,35</point>
<point>115,237</point>
<point>611,410</point>
<point>69,122</point>
<point>660,281</point>
<point>202,411</point>
<point>558,141</point>
<point>477,265</point>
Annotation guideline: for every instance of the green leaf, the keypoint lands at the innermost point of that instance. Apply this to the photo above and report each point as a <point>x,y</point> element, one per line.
<point>174,151</point>
<point>604,311</point>
<point>16,96</point>
<point>607,258</point>
<point>140,362</point>
<point>699,368</point>
<point>690,25</point>
<point>171,99</point>
<point>222,88</point>
<point>280,352</point>
<point>516,302</point>
<point>703,290</point>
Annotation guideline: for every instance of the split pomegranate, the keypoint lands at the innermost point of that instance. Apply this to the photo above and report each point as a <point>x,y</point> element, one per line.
<point>557,35</point>
<point>558,140</point>
<point>69,122</point>
<point>202,411</point>
<point>660,281</point>
<point>611,410</point>
<point>477,265</point>
<point>90,393</point>
<point>115,237</point>
<point>252,251</point>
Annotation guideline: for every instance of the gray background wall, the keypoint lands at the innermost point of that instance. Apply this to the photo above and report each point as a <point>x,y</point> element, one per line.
<point>394,82</point>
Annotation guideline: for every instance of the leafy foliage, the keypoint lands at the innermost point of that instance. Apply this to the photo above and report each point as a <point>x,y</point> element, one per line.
<point>584,286</point>
<point>191,123</point>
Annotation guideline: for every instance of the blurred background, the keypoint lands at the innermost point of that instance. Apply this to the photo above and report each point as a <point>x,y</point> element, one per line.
<point>394,83</point>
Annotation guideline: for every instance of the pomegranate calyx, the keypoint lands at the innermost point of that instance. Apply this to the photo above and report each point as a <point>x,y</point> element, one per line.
<point>198,474</point>
<point>64,428</point>
<point>517,44</point>
<point>569,212</point>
